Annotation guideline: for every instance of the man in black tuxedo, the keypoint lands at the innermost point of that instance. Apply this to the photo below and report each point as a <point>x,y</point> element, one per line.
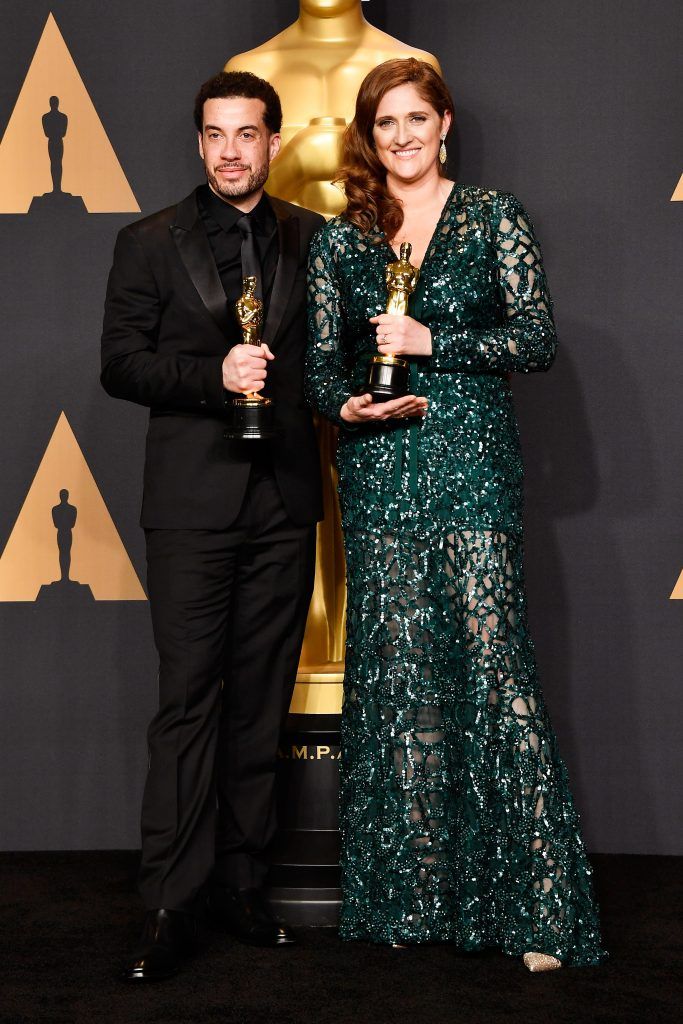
<point>229,524</point>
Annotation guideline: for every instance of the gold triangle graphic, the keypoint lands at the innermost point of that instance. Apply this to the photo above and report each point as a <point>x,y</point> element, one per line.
<point>677,197</point>
<point>91,169</point>
<point>98,559</point>
<point>677,592</point>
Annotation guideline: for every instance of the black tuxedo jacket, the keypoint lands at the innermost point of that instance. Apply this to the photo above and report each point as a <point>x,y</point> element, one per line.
<point>163,345</point>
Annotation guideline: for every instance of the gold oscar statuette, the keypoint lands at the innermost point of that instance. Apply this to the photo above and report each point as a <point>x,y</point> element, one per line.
<point>252,414</point>
<point>317,65</point>
<point>388,375</point>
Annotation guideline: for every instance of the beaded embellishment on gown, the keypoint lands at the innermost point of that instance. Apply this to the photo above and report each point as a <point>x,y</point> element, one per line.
<point>456,815</point>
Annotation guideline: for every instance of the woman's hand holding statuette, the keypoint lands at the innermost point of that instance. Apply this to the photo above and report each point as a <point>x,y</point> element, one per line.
<point>401,336</point>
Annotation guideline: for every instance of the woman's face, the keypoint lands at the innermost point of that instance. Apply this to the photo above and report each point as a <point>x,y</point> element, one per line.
<point>407,133</point>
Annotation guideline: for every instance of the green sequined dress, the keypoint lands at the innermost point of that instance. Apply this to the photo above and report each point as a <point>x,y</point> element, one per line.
<point>456,815</point>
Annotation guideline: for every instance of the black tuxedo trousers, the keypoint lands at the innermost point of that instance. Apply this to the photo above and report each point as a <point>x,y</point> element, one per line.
<point>228,610</point>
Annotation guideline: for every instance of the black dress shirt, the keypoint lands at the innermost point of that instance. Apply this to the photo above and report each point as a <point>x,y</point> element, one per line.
<point>220,221</point>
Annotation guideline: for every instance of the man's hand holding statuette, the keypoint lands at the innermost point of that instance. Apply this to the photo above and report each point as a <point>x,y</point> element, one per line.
<point>245,368</point>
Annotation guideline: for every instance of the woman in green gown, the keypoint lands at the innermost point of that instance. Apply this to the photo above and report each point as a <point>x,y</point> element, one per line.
<point>456,815</point>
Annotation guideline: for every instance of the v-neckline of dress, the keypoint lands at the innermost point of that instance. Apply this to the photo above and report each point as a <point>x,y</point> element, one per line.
<point>432,240</point>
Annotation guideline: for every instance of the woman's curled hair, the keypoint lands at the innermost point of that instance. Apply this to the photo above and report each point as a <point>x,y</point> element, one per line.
<point>362,175</point>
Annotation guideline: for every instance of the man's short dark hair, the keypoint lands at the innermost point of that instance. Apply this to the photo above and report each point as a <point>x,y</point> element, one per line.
<point>243,84</point>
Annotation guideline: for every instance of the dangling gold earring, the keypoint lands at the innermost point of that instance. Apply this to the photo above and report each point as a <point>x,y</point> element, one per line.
<point>442,151</point>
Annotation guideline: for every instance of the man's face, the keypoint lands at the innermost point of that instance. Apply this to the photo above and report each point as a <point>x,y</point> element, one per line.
<point>236,146</point>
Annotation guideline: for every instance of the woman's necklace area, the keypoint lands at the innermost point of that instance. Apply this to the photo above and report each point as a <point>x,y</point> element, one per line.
<point>431,216</point>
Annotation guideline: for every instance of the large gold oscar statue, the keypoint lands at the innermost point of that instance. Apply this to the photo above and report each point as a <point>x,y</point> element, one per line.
<point>317,65</point>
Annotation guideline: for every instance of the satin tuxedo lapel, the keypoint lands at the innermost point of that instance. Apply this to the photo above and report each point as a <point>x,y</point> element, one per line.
<point>288,261</point>
<point>194,250</point>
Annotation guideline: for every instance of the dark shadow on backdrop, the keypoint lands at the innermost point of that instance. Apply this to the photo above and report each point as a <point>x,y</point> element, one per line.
<point>465,145</point>
<point>565,480</point>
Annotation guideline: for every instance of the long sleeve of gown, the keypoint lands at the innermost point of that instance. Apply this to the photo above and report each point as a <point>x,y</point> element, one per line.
<point>328,382</point>
<point>525,340</point>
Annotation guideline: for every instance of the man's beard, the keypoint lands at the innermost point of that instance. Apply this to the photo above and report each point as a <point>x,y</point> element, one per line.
<point>239,189</point>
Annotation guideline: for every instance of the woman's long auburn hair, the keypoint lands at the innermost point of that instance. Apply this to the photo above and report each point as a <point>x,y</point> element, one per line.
<point>362,175</point>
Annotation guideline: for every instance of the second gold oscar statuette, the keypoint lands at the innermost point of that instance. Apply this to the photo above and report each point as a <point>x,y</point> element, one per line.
<point>388,374</point>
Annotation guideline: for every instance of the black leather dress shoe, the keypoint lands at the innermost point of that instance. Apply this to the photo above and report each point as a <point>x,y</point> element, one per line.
<point>167,938</point>
<point>245,914</point>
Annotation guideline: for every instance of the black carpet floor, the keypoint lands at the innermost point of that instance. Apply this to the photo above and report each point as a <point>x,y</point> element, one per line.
<point>67,920</point>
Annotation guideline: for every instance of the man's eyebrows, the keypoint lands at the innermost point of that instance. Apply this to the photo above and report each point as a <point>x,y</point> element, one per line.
<point>243,128</point>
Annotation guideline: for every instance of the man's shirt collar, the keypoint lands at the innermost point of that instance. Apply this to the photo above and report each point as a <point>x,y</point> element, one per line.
<point>226,215</point>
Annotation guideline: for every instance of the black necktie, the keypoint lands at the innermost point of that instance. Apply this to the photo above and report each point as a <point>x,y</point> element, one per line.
<point>251,265</point>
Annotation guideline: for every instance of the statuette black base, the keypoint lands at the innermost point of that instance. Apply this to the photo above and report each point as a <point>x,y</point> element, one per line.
<point>252,419</point>
<point>388,378</point>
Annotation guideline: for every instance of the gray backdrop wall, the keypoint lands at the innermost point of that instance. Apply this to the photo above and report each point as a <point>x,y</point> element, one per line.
<point>576,107</point>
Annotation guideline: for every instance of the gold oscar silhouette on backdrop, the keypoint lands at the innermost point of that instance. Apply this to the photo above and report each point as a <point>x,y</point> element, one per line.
<point>33,555</point>
<point>317,65</point>
<point>78,161</point>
